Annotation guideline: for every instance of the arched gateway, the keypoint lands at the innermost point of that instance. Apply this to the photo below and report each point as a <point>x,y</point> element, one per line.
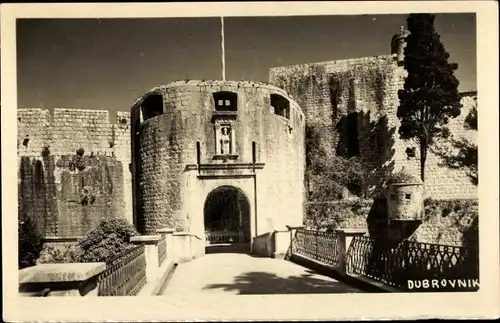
<point>222,160</point>
<point>226,215</point>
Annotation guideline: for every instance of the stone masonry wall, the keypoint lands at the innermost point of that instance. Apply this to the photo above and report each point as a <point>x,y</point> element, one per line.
<point>447,222</point>
<point>65,200</point>
<point>329,92</point>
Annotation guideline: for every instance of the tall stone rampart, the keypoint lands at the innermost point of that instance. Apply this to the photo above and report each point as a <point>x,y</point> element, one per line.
<point>73,168</point>
<point>359,96</point>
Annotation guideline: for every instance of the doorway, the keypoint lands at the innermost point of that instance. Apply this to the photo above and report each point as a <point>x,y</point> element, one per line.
<point>227,220</point>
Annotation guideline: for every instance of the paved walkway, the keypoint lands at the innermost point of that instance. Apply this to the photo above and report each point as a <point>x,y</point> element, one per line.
<point>228,274</point>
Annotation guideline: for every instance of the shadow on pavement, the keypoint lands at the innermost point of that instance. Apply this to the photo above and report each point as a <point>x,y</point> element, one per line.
<point>253,283</point>
<point>228,248</point>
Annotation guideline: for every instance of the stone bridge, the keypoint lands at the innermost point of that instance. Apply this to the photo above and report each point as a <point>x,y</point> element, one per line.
<point>182,266</point>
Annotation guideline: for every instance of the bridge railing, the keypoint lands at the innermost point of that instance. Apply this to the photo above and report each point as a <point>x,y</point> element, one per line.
<point>317,245</point>
<point>213,237</point>
<point>395,264</point>
<point>138,270</point>
<point>125,275</point>
<point>398,264</point>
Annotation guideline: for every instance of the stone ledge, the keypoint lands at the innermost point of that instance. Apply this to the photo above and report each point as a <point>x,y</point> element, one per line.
<point>149,239</point>
<point>52,273</point>
<point>352,231</point>
<point>182,234</point>
<point>165,230</point>
<point>61,239</point>
<point>290,227</point>
<point>225,157</point>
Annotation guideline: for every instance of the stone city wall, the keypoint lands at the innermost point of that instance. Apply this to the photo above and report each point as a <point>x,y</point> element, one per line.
<point>65,193</point>
<point>330,92</point>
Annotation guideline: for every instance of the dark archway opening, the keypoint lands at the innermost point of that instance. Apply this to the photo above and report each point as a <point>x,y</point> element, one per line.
<point>227,221</point>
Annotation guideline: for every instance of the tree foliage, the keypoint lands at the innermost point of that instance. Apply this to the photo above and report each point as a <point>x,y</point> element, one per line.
<point>29,243</point>
<point>109,239</point>
<point>430,96</point>
<point>330,174</point>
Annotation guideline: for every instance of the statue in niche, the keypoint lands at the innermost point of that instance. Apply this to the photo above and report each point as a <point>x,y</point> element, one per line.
<point>225,141</point>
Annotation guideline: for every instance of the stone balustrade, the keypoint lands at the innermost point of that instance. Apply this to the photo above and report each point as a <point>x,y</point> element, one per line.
<point>283,245</point>
<point>151,249</point>
<point>160,252</point>
<point>70,279</point>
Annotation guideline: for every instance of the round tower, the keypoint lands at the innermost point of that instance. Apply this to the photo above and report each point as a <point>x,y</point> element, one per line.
<point>398,44</point>
<point>219,155</point>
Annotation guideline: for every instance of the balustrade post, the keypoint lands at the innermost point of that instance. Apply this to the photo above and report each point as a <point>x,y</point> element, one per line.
<point>151,250</point>
<point>345,237</point>
<point>281,243</point>
<point>293,230</point>
<point>168,234</point>
<point>183,251</point>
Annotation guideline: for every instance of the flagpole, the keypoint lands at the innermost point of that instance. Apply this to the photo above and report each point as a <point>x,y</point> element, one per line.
<point>223,49</point>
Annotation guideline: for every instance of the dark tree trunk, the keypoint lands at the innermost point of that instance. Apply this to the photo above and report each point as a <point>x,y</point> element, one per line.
<point>423,158</point>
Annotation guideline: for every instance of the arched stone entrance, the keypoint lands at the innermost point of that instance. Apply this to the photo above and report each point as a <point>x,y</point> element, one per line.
<point>227,220</point>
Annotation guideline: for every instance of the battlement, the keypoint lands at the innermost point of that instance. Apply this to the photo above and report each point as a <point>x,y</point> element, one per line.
<point>66,130</point>
<point>212,85</point>
<point>97,116</point>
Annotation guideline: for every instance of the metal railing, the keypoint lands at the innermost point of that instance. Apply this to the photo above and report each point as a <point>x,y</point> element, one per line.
<point>125,274</point>
<point>395,264</point>
<point>222,237</point>
<point>317,245</point>
<point>162,250</point>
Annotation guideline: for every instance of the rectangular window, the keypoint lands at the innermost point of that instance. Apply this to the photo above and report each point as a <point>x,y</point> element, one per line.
<point>225,101</point>
<point>281,105</point>
<point>152,106</point>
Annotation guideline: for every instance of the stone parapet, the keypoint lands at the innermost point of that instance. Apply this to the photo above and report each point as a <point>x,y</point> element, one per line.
<point>69,279</point>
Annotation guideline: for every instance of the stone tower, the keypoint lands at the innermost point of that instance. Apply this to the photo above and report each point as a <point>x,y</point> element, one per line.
<point>398,44</point>
<point>197,143</point>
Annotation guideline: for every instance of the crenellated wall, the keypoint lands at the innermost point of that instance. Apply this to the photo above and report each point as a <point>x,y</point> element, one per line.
<point>67,194</point>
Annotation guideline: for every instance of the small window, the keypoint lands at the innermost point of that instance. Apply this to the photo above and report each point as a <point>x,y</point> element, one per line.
<point>226,101</point>
<point>281,105</point>
<point>408,196</point>
<point>410,152</point>
<point>393,197</point>
<point>152,106</point>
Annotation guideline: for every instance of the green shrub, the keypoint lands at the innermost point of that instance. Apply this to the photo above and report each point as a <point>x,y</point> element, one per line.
<point>54,254</point>
<point>109,239</point>
<point>337,214</point>
<point>29,243</point>
<point>401,177</point>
